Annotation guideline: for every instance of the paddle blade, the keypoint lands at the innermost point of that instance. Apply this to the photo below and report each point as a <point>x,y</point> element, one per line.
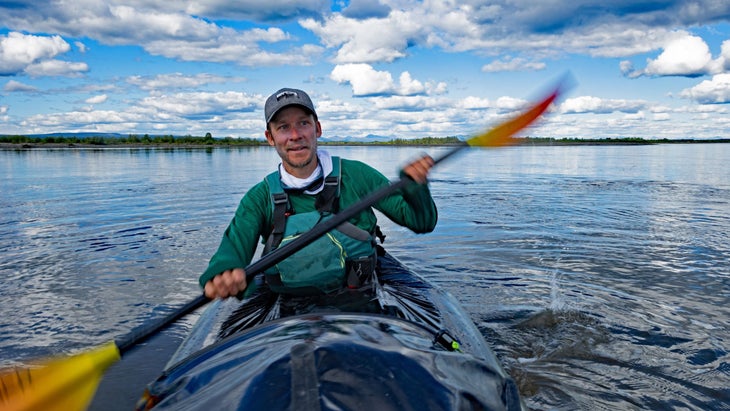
<point>503,134</point>
<point>63,384</point>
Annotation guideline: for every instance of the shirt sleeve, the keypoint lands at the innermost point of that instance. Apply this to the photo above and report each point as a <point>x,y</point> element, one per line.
<point>240,238</point>
<point>412,207</point>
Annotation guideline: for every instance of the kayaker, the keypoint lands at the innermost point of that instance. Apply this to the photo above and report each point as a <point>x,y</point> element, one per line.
<point>309,184</point>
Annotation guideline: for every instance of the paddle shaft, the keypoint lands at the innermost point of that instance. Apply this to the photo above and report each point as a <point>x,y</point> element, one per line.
<point>139,335</point>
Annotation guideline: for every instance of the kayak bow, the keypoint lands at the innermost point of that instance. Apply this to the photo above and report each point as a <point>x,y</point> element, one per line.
<point>418,352</point>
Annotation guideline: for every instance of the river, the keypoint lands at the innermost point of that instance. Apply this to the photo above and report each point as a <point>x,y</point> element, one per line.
<point>599,275</point>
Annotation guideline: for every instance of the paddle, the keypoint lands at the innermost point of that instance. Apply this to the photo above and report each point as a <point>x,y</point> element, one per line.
<point>69,383</point>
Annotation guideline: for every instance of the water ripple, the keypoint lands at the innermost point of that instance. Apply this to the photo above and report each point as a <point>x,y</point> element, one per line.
<point>599,275</point>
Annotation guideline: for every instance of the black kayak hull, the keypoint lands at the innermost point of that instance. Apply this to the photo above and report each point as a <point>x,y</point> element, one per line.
<point>329,359</point>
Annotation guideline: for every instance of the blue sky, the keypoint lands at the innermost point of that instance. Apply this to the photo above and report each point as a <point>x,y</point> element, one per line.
<point>401,68</point>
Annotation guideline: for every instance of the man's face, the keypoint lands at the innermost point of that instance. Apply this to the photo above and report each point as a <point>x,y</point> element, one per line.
<point>294,132</point>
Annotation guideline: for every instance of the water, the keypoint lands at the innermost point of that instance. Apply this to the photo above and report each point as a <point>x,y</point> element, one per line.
<point>600,275</point>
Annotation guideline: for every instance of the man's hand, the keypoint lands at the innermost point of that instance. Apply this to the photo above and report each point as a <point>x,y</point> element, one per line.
<point>418,170</point>
<point>226,284</point>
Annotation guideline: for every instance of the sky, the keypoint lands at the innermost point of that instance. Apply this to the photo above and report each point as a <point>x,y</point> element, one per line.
<point>375,68</point>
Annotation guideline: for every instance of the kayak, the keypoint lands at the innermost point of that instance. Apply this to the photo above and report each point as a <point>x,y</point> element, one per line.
<point>397,343</point>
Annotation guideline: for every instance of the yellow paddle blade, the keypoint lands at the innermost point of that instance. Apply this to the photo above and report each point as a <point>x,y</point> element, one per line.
<point>63,384</point>
<point>502,134</point>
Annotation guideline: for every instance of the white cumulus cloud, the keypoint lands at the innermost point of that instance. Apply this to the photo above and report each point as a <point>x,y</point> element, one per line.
<point>366,81</point>
<point>363,78</point>
<point>714,91</point>
<point>684,54</point>
<point>18,51</point>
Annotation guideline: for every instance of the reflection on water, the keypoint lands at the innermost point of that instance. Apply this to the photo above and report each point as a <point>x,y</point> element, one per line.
<point>599,275</point>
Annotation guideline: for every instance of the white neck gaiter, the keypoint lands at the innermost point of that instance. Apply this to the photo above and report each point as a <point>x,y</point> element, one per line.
<point>324,168</point>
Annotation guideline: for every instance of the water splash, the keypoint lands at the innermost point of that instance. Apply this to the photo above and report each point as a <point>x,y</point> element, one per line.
<point>557,299</point>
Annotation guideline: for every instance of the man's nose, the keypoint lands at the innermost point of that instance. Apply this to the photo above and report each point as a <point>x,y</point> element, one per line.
<point>295,133</point>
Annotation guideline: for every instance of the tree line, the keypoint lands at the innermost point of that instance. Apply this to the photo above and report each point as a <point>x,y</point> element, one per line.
<point>132,139</point>
<point>209,140</point>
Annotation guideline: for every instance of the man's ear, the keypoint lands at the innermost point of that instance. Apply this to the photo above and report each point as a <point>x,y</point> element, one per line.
<point>319,129</point>
<point>269,137</point>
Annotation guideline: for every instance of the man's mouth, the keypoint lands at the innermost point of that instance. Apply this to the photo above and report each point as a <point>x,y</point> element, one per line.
<point>297,148</point>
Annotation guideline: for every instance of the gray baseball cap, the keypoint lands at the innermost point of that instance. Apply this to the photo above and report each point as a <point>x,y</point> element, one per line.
<point>287,97</point>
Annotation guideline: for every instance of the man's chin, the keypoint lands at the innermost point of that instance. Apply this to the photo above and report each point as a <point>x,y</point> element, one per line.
<point>301,160</point>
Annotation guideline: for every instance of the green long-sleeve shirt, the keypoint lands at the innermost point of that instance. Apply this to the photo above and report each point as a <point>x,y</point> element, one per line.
<point>411,207</point>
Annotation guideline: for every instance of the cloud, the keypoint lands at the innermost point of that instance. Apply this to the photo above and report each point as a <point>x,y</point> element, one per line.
<point>723,62</point>
<point>565,16</point>
<point>179,81</point>
<point>181,113</point>
<point>509,104</point>
<point>202,104</point>
<point>355,41</point>
<point>366,81</point>
<point>408,103</point>
<point>475,103</point>
<point>513,64</point>
<point>365,9</point>
<point>409,86</point>
<point>19,51</point>
<point>188,32</point>
<point>97,99</point>
<point>239,47</point>
<point>81,47</point>
<point>685,55</point>
<point>257,10</point>
<point>83,120</point>
<point>541,29</point>
<point>363,78</point>
<point>56,68</point>
<point>188,38</point>
<point>714,91</point>
<point>16,86</point>
<point>167,31</point>
<point>436,88</point>
<point>589,104</point>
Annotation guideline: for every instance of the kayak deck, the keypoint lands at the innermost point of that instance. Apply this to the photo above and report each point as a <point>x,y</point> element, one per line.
<point>269,354</point>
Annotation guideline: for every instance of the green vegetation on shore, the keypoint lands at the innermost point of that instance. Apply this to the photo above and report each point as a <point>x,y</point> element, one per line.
<point>130,140</point>
<point>209,141</point>
<point>618,141</point>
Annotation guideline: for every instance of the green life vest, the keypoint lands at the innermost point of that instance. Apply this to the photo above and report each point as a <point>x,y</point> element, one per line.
<point>321,266</point>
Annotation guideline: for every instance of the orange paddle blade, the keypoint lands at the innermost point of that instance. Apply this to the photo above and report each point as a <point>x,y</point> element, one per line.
<point>503,134</point>
<point>62,384</point>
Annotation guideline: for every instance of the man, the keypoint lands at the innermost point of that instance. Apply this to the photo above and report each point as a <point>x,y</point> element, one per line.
<point>292,128</point>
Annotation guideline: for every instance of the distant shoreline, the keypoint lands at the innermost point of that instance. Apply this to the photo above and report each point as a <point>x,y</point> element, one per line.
<point>169,142</point>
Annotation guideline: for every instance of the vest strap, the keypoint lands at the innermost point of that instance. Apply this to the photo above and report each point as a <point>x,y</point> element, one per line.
<point>281,204</point>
